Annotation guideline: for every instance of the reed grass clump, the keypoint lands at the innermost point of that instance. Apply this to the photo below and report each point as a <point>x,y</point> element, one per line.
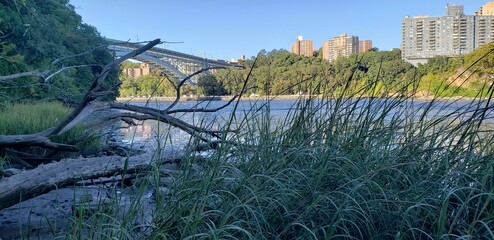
<point>29,118</point>
<point>344,167</point>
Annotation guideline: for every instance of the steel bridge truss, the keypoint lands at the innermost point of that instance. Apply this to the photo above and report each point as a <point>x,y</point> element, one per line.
<point>175,65</point>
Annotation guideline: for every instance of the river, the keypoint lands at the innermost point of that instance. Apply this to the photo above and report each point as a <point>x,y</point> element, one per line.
<point>150,131</point>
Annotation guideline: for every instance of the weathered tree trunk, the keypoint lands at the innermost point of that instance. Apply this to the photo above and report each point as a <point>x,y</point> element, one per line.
<point>67,172</point>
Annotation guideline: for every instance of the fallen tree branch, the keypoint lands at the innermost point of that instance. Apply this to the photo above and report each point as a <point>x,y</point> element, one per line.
<point>42,139</point>
<point>143,113</point>
<point>89,97</point>
<point>89,105</point>
<point>44,178</point>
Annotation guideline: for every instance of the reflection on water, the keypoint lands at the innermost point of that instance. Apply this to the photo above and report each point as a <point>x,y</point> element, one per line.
<point>452,112</point>
<point>150,131</point>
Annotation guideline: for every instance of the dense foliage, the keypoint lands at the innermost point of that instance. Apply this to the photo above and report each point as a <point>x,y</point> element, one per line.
<point>153,84</point>
<point>208,85</point>
<point>35,33</point>
<point>280,72</point>
<point>463,76</point>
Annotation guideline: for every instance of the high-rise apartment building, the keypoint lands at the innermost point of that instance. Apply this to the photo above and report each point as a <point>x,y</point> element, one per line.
<point>342,46</point>
<point>364,46</point>
<point>303,47</point>
<point>452,35</point>
<point>486,10</point>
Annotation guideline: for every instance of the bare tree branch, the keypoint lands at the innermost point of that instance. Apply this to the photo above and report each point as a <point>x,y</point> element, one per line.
<point>181,83</point>
<point>90,93</point>
<point>42,139</point>
<point>159,116</point>
<point>48,73</point>
<point>46,79</point>
<point>193,109</point>
<point>89,106</point>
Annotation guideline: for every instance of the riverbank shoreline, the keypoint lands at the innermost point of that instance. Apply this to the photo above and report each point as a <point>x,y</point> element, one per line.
<point>274,97</point>
<point>211,98</point>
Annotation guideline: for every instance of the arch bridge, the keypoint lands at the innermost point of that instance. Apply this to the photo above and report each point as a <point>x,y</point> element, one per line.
<point>174,64</point>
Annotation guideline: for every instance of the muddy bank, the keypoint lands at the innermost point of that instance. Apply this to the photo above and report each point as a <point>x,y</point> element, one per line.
<point>50,215</point>
<point>53,214</point>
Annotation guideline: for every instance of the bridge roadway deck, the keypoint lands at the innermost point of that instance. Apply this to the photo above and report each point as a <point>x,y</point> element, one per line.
<point>161,52</point>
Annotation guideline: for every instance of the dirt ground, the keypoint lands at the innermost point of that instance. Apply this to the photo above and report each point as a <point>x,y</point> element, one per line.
<point>48,216</point>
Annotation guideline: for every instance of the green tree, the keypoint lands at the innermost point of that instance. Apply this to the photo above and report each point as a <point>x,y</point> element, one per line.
<point>129,86</point>
<point>231,79</point>
<point>210,86</point>
<point>153,84</point>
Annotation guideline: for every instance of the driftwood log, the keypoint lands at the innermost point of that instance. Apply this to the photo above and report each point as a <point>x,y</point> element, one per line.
<point>67,172</point>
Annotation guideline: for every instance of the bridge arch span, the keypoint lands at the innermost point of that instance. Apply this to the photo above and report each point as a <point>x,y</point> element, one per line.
<point>174,64</point>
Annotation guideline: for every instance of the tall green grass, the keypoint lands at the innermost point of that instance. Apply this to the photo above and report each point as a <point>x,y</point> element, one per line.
<point>344,166</point>
<point>29,118</point>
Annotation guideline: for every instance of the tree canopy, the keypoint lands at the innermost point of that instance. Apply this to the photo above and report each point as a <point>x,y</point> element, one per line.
<point>375,72</point>
<point>468,75</point>
<point>210,86</point>
<point>281,72</point>
<point>35,33</point>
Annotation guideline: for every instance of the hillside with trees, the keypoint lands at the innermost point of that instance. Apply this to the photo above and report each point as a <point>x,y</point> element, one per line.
<point>47,39</point>
<point>279,72</point>
<point>469,75</point>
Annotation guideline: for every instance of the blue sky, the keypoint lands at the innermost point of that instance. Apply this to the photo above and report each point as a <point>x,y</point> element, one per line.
<point>225,29</point>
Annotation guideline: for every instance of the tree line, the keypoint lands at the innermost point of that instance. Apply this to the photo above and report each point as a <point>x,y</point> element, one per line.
<point>281,72</point>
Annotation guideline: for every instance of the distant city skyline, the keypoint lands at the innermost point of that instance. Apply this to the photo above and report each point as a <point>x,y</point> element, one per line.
<point>222,29</point>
